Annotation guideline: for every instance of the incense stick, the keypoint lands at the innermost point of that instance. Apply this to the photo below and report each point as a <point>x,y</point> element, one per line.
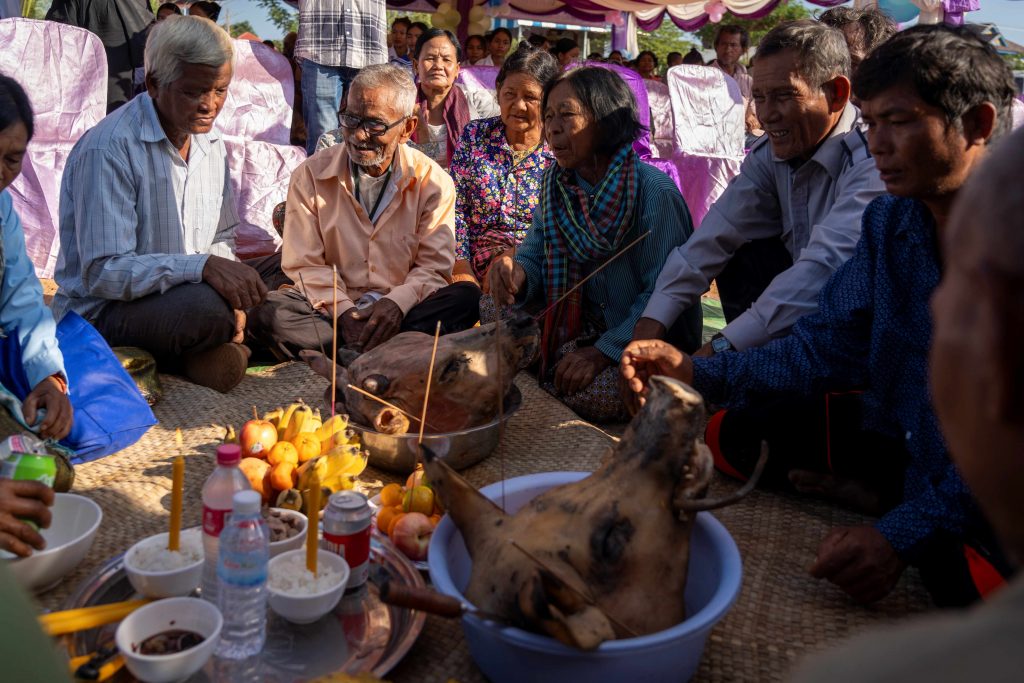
<point>378,399</point>
<point>598,270</point>
<point>312,315</point>
<point>334,345</point>
<point>430,377</point>
<point>586,597</point>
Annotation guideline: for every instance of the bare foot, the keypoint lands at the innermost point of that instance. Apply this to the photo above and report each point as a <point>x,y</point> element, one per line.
<point>850,492</point>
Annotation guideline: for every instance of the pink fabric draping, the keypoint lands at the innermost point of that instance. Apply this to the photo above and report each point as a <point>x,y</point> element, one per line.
<point>478,77</point>
<point>64,71</point>
<point>708,113</point>
<point>260,97</point>
<point>662,125</point>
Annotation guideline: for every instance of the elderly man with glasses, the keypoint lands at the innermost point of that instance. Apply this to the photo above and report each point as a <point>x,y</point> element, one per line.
<point>383,215</point>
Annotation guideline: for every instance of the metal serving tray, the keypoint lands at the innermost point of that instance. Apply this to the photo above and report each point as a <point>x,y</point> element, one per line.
<point>361,635</point>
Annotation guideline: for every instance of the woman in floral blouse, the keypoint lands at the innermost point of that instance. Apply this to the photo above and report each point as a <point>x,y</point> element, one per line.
<point>498,164</point>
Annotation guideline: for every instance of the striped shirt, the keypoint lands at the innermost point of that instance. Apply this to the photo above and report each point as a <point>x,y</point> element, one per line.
<point>618,294</point>
<point>135,218</point>
<point>349,33</point>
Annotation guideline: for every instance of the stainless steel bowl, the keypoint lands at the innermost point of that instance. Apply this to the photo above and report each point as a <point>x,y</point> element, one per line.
<point>397,453</point>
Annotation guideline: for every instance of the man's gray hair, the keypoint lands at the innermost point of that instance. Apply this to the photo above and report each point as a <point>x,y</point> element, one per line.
<point>821,52</point>
<point>176,41</point>
<point>392,78</point>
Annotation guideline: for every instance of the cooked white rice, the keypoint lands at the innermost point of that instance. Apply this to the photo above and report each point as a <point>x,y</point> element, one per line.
<point>155,557</point>
<point>290,577</point>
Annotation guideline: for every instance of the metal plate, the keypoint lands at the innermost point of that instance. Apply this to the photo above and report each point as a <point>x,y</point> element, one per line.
<point>361,635</point>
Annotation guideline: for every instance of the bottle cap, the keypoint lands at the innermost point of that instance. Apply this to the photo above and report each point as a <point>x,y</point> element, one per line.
<point>246,502</point>
<point>229,454</point>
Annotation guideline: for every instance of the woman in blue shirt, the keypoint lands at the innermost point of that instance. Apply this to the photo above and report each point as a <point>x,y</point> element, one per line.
<point>24,315</point>
<point>594,202</point>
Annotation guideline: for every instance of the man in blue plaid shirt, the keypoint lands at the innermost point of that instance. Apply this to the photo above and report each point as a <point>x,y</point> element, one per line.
<point>337,38</point>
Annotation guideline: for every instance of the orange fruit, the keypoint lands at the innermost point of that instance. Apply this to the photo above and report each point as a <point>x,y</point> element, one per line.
<point>283,451</point>
<point>282,476</point>
<point>307,446</point>
<point>385,516</point>
<point>393,522</point>
<point>419,499</point>
<point>438,508</point>
<point>391,495</point>
<point>435,519</point>
<point>417,478</point>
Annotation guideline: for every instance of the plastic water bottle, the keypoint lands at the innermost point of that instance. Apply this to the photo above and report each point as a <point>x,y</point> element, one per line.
<point>242,573</point>
<point>218,491</point>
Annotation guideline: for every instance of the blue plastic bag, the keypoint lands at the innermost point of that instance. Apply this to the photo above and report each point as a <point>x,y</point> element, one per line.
<point>110,413</point>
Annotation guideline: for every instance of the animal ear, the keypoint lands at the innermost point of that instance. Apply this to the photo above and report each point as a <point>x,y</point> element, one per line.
<point>547,605</point>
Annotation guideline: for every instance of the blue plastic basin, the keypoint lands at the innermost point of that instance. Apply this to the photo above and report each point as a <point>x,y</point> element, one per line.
<point>513,655</point>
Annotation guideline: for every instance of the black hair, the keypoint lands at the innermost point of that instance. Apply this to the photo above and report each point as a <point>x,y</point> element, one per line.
<point>672,54</point>
<point>169,5</point>
<point>417,24</point>
<point>733,28</point>
<point>477,36</point>
<point>874,25</point>
<point>650,54</point>
<point>610,102</point>
<point>14,105</point>
<point>405,21</point>
<point>270,44</point>
<point>500,30</point>
<point>537,64</point>
<point>563,45</point>
<point>432,33</point>
<point>211,9</point>
<point>693,57</point>
<point>615,52</point>
<point>537,40</point>
<point>952,69</point>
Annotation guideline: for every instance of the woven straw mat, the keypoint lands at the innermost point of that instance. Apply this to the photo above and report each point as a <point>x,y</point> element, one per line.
<point>781,613</point>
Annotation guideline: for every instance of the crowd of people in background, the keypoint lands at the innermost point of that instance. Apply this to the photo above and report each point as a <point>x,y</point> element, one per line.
<point>422,202</point>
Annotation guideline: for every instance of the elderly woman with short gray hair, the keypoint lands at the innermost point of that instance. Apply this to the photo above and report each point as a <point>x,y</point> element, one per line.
<point>147,217</point>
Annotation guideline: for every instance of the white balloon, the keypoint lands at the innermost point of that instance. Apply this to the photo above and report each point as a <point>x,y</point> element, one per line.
<point>443,8</point>
<point>476,14</point>
<point>480,27</point>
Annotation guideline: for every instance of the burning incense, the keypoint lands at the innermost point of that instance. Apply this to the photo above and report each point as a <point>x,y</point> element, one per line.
<point>430,376</point>
<point>378,399</point>
<point>177,490</point>
<point>334,351</point>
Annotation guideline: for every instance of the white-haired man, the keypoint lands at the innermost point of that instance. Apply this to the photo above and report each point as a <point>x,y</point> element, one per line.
<point>147,217</point>
<point>381,212</point>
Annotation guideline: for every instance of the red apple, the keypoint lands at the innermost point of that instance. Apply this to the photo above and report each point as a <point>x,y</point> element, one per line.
<point>412,535</point>
<point>257,438</point>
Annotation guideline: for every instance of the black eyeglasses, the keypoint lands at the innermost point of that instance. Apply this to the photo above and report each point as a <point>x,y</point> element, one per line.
<point>374,127</point>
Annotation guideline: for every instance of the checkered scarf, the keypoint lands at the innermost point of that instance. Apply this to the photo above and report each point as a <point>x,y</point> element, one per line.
<point>579,234</point>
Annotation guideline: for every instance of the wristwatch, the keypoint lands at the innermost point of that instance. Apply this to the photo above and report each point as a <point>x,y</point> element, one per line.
<point>719,344</point>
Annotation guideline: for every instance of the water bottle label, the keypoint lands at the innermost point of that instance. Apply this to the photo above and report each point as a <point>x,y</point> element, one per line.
<point>242,569</point>
<point>213,520</point>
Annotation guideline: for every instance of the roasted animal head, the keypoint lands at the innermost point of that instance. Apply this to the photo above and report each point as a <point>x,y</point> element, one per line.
<point>464,391</point>
<point>602,558</point>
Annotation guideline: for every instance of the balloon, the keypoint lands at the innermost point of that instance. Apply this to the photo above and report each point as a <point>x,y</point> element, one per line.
<point>476,14</point>
<point>900,10</point>
<point>443,8</point>
<point>480,27</point>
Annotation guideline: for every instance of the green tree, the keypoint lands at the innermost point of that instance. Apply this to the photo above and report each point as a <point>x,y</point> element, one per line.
<point>756,27</point>
<point>666,38</point>
<point>281,15</point>
<point>239,27</point>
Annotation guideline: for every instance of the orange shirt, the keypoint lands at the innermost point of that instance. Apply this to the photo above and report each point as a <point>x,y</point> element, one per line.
<point>407,254</point>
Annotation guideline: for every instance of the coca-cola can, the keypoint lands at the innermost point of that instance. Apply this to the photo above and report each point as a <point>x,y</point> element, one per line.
<point>347,532</point>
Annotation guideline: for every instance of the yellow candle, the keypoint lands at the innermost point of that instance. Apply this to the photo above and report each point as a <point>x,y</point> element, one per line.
<point>312,519</point>
<point>177,488</point>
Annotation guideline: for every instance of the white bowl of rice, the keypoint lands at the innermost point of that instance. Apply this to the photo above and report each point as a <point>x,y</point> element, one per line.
<point>156,572</point>
<point>296,594</point>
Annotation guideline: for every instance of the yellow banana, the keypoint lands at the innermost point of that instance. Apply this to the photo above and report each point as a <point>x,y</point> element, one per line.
<point>299,417</point>
<point>312,423</point>
<point>334,424</point>
<point>344,464</point>
<point>274,416</point>
<point>286,418</point>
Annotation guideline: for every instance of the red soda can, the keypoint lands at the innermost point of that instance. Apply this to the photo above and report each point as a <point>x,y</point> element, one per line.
<point>347,532</point>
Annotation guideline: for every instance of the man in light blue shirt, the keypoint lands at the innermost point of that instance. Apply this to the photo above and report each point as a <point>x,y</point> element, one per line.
<point>147,217</point>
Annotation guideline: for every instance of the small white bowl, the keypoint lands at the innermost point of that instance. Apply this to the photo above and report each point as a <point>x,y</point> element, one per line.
<point>307,608</point>
<point>188,614</point>
<point>68,540</point>
<point>170,583</point>
<point>296,541</point>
